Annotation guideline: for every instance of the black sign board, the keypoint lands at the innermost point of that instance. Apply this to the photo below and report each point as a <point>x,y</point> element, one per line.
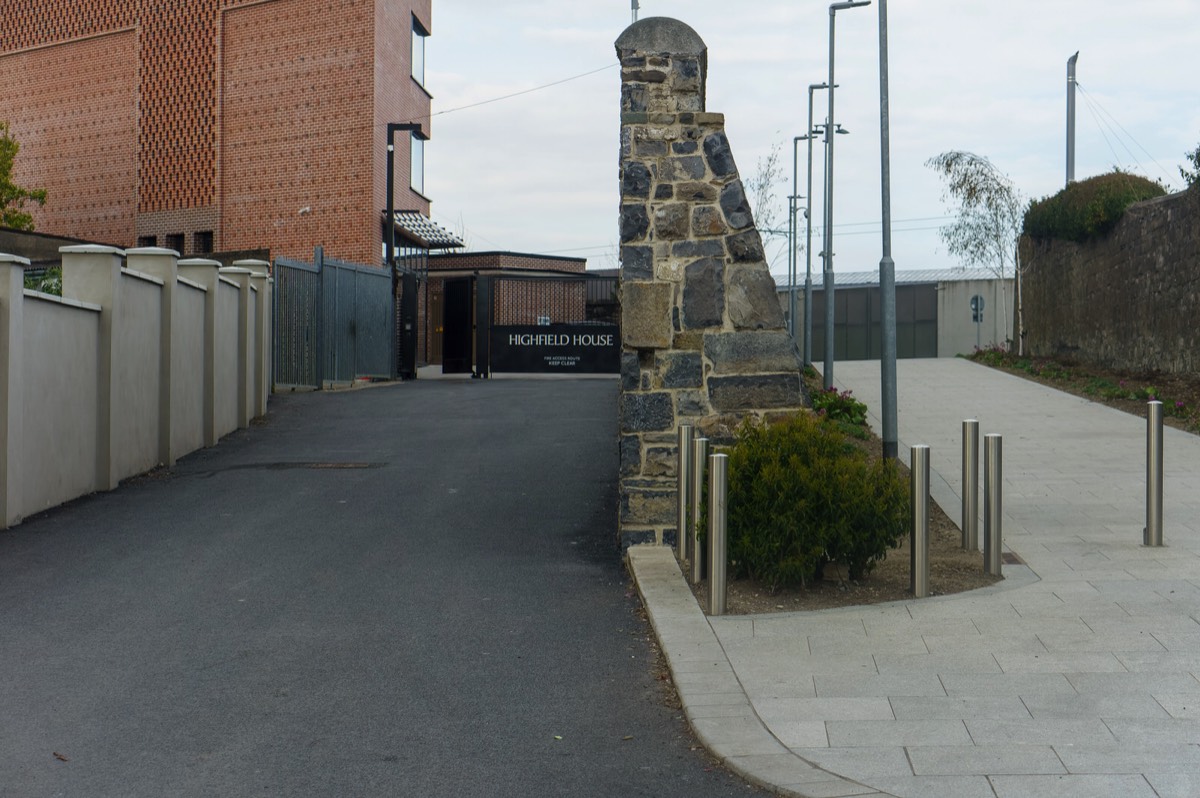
<point>557,349</point>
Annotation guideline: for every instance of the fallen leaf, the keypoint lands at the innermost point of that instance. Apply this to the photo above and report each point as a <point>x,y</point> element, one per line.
<point>627,737</point>
<point>557,737</point>
<point>60,757</point>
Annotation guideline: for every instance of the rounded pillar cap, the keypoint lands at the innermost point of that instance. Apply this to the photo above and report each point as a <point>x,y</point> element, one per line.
<point>661,35</point>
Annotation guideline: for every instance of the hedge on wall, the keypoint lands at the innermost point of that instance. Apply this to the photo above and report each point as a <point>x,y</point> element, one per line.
<point>1088,208</point>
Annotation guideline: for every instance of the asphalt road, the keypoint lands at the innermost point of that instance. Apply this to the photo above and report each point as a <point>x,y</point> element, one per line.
<point>410,590</point>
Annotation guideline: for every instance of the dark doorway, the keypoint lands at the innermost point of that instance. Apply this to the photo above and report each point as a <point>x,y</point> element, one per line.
<point>456,326</point>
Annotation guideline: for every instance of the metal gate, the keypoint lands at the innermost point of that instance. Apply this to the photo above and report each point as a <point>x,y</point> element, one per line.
<point>333,322</point>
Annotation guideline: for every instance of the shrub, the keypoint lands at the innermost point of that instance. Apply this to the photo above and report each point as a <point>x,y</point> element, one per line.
<point>840,406</point>
<point>47,281</point>
<point>1088,208</point>
<point>801,495</point>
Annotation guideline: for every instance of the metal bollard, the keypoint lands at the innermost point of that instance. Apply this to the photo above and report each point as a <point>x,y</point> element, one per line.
<point>1152,535</point>
<point>919,540</point>
<point>992,502</point>
<point>683,472</point>
<point>699,455</point>
<point>970,485</point>
<point>718,520</point>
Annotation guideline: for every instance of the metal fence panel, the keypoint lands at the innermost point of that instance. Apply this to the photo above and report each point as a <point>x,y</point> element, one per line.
<point>297,324</point>
<point>332,322</point>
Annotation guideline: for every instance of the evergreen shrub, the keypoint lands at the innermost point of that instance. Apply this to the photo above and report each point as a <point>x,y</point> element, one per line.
<point>801,495</point>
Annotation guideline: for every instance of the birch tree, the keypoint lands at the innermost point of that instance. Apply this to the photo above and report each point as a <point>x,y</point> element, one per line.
<point>989,212</point>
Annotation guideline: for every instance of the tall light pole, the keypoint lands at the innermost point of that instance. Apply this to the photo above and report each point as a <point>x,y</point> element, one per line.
<point>887,267</point>
<point>808,325</point>
<point>403,362</point>
<point>1071,118</point>
<point>793,234</point>
<point>828,248</point>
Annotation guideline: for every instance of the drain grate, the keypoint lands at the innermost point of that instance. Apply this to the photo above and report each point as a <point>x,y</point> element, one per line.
<point>1011,558</point>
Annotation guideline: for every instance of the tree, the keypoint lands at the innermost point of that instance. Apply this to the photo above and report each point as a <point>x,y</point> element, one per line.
<point>761,191</point>
<point>989,214</point>
<point>13,198</point>
<point>1191,176</point>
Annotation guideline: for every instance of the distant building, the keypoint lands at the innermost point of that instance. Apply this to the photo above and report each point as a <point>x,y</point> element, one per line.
<point>934,313</point>
<point>206,125</point>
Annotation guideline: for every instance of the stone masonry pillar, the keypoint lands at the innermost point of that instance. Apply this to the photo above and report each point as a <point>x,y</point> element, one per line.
<point>703,338</point>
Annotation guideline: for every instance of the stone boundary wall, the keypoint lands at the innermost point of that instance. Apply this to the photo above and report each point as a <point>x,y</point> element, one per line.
<point>703,334</point>
<point>1128,300</point>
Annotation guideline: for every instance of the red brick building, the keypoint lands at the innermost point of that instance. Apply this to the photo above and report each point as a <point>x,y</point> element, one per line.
<point>207,125</point>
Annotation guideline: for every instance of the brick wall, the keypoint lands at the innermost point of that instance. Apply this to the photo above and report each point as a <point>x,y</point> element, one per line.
<point>261,121</point>
<point>505,260</point>
<point>1128,300</point>
<point>78,137</point>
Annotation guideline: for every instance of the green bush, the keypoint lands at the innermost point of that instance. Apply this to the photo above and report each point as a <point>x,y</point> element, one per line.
<point>47,281</point>
<point>801,495</point>
<point>840,406</point>
<point>1088,208</point>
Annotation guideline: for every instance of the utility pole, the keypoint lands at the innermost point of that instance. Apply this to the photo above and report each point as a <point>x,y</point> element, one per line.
<point>1071,118</point>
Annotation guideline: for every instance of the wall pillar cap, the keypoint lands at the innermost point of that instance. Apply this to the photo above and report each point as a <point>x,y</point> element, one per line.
<point>151,251</point>
<point>261,268</point>
<point>200,262</point>
<point>17,259</point>
<point>91,249</point>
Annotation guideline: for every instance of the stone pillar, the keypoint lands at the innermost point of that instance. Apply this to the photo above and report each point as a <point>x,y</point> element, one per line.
<point>703,333</point>
<point>162,264</point>
<point>92,273</point>
<point>263,285</point>
<point>205,273</point>
<point>12,347</point>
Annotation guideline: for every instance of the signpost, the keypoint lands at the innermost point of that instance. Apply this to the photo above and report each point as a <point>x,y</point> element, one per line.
<point>556,349</point>
<point>977,317</point>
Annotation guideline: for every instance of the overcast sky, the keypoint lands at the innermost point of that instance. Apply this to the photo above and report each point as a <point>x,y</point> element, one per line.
<point>538,172</point>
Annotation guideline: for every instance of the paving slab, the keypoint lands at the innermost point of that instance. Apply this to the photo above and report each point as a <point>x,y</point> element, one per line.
<point>1079,674</point>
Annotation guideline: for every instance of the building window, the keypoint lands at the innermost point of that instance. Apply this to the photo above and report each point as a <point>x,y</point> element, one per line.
<point>416,163</point>
<point>147,241</point>
<point>419,35</point>
<point>175,242</point>
<point>202,242</point>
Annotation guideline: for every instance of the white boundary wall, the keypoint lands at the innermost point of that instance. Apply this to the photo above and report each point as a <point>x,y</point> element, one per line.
<point>143,359</point>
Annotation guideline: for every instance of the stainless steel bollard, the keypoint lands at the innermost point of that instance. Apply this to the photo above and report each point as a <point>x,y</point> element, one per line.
<point>683,472</point>
<point>699,456</point>
<point>919,540</point>
<point>1152,535</point>
<point>993,500</point>
<point>970,485</point>
<point>718,520</point>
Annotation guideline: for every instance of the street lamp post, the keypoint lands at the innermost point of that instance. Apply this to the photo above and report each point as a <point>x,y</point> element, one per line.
<point>793,234</point>
<point>808,325</point>
<point>828,248</point>
<point>406,370</point>
<point>887,267</point>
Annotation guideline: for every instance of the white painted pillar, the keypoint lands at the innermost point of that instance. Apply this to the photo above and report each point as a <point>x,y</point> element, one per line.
<point>92,273</point>
<point>12,286</point>
<point>206,273</point>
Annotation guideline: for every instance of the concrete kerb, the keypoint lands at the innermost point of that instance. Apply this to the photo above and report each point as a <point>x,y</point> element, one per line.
<point>714,701</point>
